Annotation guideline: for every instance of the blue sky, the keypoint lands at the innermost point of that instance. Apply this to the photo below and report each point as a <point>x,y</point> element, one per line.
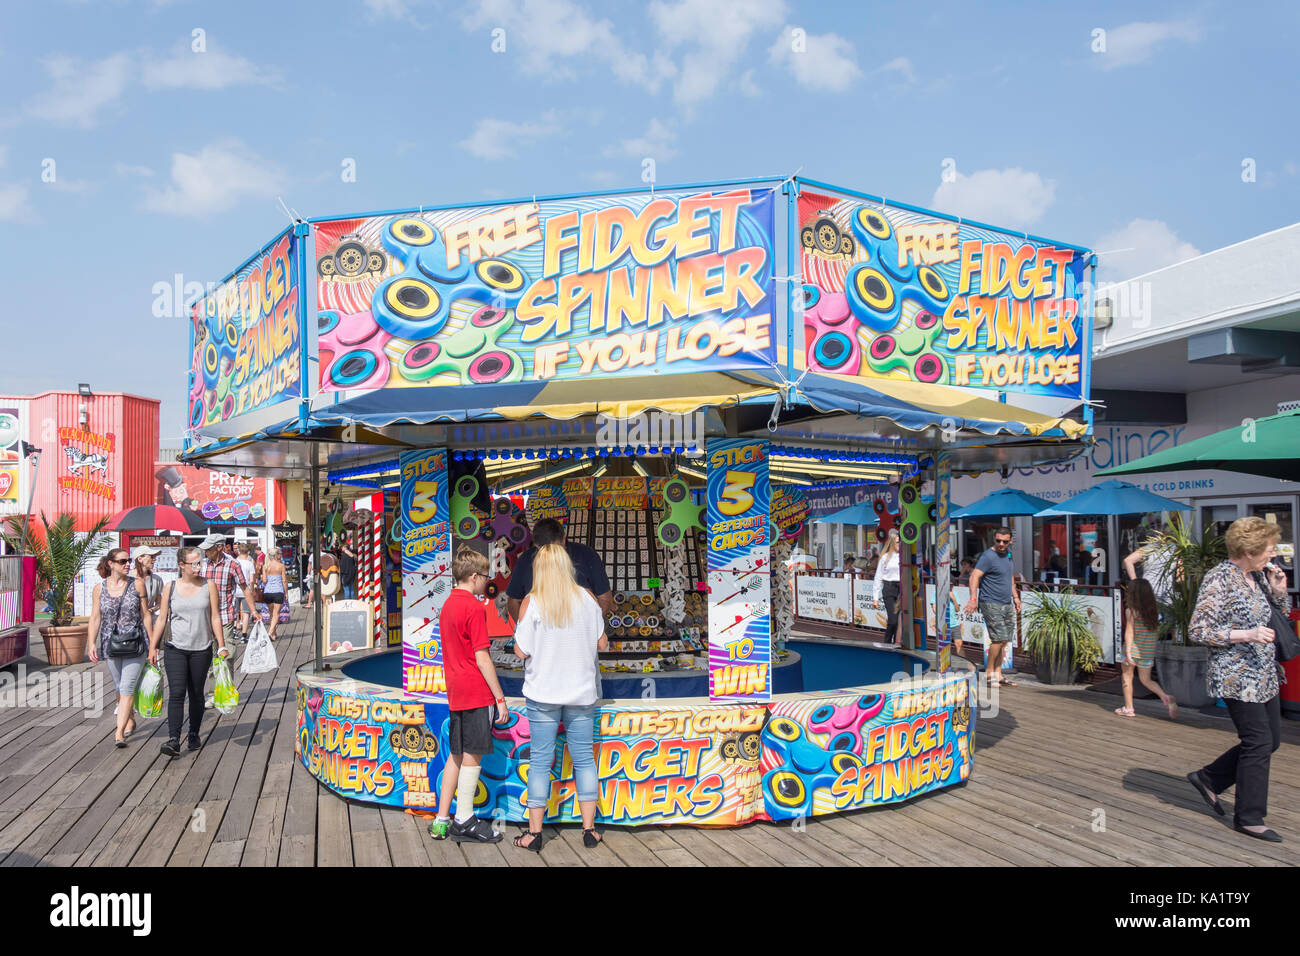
<point>169,160</point>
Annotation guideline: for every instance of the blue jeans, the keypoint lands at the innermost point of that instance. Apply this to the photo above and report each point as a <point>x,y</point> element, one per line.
<point>349,592</point>
<point>579,730</point>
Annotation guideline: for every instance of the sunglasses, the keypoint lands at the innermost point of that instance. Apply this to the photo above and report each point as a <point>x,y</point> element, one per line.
<point>119,561</point>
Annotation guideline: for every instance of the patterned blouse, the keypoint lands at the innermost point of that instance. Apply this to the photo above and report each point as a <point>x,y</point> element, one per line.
<point>117,614</point>
<point>1246,671</point>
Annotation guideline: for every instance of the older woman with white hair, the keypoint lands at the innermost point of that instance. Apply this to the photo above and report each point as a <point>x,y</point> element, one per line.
<point>1232,616</point>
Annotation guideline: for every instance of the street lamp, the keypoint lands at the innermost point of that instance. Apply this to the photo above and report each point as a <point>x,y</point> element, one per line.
<point>84,416</point>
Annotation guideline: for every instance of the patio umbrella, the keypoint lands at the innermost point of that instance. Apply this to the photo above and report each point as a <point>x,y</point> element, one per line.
<point>1005,501</point>
<point>156,518</point>
<point>1268,447</point>
<point>1114,498</point>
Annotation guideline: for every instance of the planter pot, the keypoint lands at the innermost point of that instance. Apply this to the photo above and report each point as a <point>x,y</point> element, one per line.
<point>1053,671</point>
<point>1182,671</point>
<point>65,645</point>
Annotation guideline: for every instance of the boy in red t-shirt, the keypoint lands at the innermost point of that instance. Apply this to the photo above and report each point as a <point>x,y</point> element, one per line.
<point>474,696</point>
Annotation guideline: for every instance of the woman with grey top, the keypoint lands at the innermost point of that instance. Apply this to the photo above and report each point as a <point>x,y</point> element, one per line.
<point>117,606</point>
<point>192,609</point>
<point>153,584</point>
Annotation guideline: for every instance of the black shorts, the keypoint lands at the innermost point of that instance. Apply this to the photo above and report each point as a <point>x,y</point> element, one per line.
<point>471,731</point>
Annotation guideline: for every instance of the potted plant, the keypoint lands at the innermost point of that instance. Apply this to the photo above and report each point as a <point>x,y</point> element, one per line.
<point>1059,637</point>
<point>59,559</point>
<point>1183,666</point>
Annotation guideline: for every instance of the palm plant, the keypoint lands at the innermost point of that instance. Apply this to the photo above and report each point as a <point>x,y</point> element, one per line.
<point>59,557</point>
<point>1188,559</point>
<point>1056,630</point>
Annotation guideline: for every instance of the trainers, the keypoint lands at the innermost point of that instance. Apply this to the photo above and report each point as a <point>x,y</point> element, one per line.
<point>171,748</point>
<point>439,829</point>
<point>193,744</point>
<point>474,830</point>
<point>208,702</point>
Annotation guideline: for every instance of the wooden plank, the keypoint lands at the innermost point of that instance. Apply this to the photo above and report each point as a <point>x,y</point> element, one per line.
<point>369,842</point>
<point>166,833</point>
<point>333,836</point>
<point>627,846</point>
<point>404,846</point>
<point>122,846</point>
<point>262,848</point>
<point>225,854</point>
<point>192,847</point>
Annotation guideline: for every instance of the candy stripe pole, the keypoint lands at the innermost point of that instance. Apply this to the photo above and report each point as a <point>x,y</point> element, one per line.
<point>377,579</point>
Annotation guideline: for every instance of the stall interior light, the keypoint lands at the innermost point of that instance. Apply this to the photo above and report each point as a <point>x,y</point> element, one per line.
<point>550,475</point>
<point>692,472</point>
<point>604,467</point>
<point>833,472</point>
<point>640,469</point>
<point>790,480</point>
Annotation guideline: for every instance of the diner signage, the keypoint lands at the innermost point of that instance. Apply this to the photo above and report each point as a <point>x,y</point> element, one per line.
<point>738,518</point>
<point>426,570</point>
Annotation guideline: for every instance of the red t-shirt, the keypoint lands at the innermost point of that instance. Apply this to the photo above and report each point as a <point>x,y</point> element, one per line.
<point>463,623</point>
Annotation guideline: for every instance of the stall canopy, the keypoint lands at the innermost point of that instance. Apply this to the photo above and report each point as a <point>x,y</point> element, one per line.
<point>784,300</point>
<point>1114,498</point>
<point>1268,447</point>
<point>1003,502</point>
<point>861,514</point>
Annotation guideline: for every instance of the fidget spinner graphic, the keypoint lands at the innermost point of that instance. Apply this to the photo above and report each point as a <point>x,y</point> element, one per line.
<point>415,303</point>
<point>845,723</point>
<point>680,514</point>
<point>886,517</point>
<point>507,524</point>
<point>911,348</point>
<point>788,788</point>
<point>471,352</point>
<point>914,513</point>
<point>830,332</point>
<point>876,289</point>
<point>463,520</point>
<point>825,238</point>
<point>748,747</point>
<point>350,260</point>
<point>351,350</point>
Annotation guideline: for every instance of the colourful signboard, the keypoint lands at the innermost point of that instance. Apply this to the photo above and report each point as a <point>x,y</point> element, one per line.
<point>942,558</point>
<point>211,497</point>
<point>789,510</point>
<point>246,338</point>
<point>622,493</point>
<point>577,492</point>
<point>546,501</point>
<point>86,457</point>
<point>11,456</point>
<point>614,286</point>
<point>661,763</point>
<point>738,517</point>
<point>426,569</point>
<point>893,293</point>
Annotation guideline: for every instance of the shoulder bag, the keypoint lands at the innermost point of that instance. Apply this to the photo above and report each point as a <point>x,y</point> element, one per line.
<point>134,644</point>
<point>1286,644</point>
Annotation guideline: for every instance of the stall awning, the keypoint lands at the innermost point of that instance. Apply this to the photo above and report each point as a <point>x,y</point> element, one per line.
<point>916,405</point>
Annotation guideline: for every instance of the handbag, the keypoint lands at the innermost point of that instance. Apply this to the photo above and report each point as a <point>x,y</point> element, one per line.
<point>128,645</point>
<point>1286,644</point>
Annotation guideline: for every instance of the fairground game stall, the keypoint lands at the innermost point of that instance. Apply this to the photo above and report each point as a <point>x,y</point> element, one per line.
<point>665,371</point>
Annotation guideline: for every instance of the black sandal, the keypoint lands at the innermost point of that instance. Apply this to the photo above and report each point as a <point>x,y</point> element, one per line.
<point>535,844</point>
<point>590,840</point>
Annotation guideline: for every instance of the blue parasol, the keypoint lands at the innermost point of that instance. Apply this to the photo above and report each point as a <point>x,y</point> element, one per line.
<point>1114,498</point>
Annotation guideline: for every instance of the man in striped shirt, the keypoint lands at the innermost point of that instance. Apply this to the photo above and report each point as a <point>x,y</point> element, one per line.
<point>230,581</point>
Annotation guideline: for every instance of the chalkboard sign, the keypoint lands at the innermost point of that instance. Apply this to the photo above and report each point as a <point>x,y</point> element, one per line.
<point>349,626</point>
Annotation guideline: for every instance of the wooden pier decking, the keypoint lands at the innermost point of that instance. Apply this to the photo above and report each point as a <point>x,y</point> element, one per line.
<point>1059,780</point>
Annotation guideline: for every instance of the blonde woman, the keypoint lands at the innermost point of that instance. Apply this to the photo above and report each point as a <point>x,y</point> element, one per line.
<point>119,606</point>
<point>560,630</point>
<point>886,583</point>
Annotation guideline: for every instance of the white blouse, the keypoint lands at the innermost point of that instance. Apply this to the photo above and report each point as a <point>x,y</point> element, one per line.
<point>886,570</point>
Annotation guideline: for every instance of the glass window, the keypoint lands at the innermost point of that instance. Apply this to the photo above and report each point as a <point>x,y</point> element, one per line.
<point>1279,514</point>
<point>1216,518</point>
<point>977,536</point>
<point>1050,548</point>
<point>1090,561</point>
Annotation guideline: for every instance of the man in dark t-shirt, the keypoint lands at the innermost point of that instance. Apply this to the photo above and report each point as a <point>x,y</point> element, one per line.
<point>348,569</point>
<point>587,568</point>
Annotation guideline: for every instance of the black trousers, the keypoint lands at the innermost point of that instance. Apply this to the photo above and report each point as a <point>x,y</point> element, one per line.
<point>1246,765</point>
<point>889,592</point>
<point>186,673</point>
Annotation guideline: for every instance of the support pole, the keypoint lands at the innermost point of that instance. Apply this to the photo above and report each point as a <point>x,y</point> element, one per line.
<point>31,495</point>
<point>315,547</point>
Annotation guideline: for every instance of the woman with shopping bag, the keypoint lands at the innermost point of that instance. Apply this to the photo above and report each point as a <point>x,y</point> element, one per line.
<point>191,608</point>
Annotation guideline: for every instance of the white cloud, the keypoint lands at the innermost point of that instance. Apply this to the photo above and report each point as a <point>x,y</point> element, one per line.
<point>1008,197</point>
<point>13,196</point>
<point>823,61</point>
<point>210,70</point>
<point>1136,42</point>
<point>80,90</point>
<point>714,36</point>
<point>222,174</point>
<point>657,143</point>
<point>1142,246</point>
<point>546,35</point>
<point>900,65</point>
<point>498,139</point>
<point>746,84</point>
